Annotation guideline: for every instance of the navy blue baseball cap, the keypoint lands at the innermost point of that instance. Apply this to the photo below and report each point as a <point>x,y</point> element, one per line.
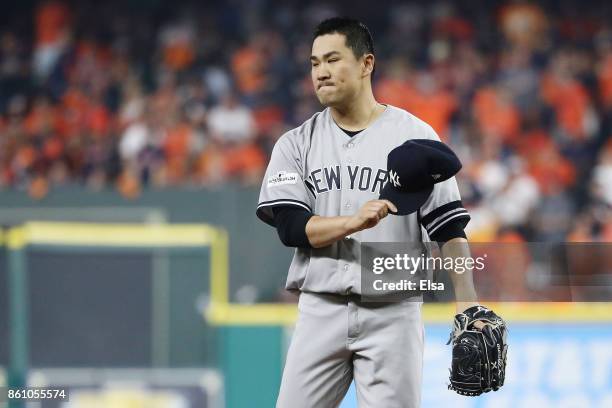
<point>412,170</point>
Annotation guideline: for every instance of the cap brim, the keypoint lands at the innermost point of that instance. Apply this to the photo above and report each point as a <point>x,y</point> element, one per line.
<point>406,202</point>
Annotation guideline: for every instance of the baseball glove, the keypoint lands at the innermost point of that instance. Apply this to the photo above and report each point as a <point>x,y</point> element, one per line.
<point>479,356</point>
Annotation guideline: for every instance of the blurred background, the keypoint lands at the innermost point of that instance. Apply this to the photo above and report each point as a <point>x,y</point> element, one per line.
<point>154,112</point>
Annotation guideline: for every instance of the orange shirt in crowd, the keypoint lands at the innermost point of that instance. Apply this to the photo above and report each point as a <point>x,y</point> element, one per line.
<point>53,148</point>
<point>75,99</point>
<point>179,56</point>
<point>550,168</point>
<point>244,159</point>
<point>74,109</point>
<point>176,149</point>
<point>436,109</point>
<point>52,19</point>
<point>531,143</point>
<point>176,143</point>
<point>86,48</point>
<point>495,114</point>
<point>569,99</point>
<point>248,68</point>
<point>544,162</point>
<point>98,120</point>
<point>42,119</point>
<point>80,114</point>
<point>216,163</point>
<point>395,92</point>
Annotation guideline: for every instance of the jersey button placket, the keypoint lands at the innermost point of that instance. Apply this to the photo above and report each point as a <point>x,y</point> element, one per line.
<point>348,160</point>
<point>346,209</point>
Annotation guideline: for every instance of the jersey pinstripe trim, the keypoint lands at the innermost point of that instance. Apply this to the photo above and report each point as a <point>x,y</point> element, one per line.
<point>446,220</point>
<point>284,201</point>
<point>435,223</point>
<point>443,214</point>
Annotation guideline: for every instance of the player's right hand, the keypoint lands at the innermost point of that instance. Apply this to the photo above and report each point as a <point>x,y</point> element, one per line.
<point>370,214</point>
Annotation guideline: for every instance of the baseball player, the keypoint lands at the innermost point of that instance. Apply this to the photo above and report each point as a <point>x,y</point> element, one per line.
<point>321,192</point>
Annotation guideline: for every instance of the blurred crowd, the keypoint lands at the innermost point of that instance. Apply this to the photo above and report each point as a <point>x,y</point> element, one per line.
<point>134,95</point>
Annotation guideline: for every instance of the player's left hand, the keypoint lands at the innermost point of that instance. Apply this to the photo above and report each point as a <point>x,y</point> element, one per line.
<point>463,306</point>
<point>479,356</point>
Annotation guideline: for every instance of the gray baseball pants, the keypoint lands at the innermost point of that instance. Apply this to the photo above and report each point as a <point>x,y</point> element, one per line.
<point>340,338</point>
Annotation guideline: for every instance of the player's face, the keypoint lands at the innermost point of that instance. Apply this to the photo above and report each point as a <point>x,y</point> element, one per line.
<point>336,74</point>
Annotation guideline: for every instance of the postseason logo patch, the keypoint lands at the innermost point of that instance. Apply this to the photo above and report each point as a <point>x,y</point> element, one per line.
<point>281,178</point>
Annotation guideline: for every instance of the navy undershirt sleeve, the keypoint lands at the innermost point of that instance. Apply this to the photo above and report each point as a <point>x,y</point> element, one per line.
<point>290,222</point>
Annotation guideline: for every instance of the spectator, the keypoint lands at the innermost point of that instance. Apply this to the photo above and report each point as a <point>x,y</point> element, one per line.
<point>569,99</point>
<point>52,36</point>
<point>231,122</point>
<point>495,113</point>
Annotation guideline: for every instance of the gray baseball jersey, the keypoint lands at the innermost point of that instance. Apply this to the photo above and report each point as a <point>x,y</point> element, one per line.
<point>317,166</point>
